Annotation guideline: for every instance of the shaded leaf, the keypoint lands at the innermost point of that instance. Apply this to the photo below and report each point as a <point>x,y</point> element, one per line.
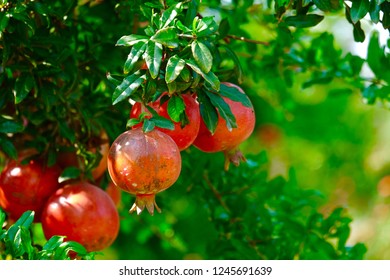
<point>359,9</point>
<point>234,94</point>
<point>223,109</point>
<point>70,172</point>
<point>210,77</point>
<point>208,112</point>
<point>23,86</point>
<point>303,21</point>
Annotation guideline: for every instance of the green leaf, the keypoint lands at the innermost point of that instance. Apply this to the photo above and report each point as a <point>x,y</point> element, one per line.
<point>130,40</point>
<point>162,122</point>
<point>234,94</point>
<point>174,67</point>
<point>210,77</point>
<point>208,112</point>
<point>223,109</point>
<point>185,75</point>
<point>175,108</point>
<point>237,63</point>
<point>70,172</point>
<point>113,80</point>
<point>153,58</point>
<point>359,9</point>
<point>8,126</point>
<point>148,125</point>
<point>8,147</point>
<point>170,14</point>
<point>374,11</point>
<point>4,19</point>
<point>53,243</point>
<point>202,56</point>
<point>182,27</point>
<point>303,21</point>
<point>171,87</point>
<point>129,85</point>
<point>358,33</point>
<point>62,252</point>
<point>23,86</point>
<point>132,122</point>
<point>377,60</point>
<point>206,27</point>
<point>191,11</point>
<point>66,131</point>
<point>136,52</point>
<point>167,37</point>
<point>25,220</point>
<point>224,28</point>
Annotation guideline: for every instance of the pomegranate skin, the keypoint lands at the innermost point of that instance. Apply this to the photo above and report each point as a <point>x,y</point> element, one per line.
<point>223,139</point>
<point>144,164</point>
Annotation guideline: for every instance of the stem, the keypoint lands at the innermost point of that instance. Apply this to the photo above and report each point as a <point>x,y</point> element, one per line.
<point>240,38</point>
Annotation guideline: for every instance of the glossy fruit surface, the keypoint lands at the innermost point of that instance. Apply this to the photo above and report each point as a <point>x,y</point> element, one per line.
<point>144,164</point>
<point>27,186</point>
<point>223,139</point>
<point>83,213</point>
<point>183,136</point>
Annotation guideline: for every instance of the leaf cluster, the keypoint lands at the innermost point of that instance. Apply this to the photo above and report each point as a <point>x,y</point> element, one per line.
<point>179,52</point>
<point>16,242</point>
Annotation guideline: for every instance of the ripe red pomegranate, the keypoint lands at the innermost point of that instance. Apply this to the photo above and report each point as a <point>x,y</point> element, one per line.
<point>27,186</point>
<point>83,213</point>
<point>144,164</point>
<point>224,140</point>
<point>183,136</point>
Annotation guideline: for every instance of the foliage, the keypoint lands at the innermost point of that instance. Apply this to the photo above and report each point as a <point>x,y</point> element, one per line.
<point>16,242</point>
<point>63,81</point>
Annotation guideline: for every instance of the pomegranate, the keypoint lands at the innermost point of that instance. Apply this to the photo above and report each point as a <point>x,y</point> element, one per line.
<point>83,213</point>
<point>224,140</point>
<point>27,186</point>
<point>183,136</point>
<point>144,164</point>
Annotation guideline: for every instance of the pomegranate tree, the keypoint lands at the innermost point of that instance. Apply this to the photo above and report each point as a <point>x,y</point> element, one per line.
<point>144,164</point>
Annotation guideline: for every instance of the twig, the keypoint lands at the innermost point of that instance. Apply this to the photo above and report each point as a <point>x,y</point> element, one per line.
<point>216,193</point>
<point>248,40</point>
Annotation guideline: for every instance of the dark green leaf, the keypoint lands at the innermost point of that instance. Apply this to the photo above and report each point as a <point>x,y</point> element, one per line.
<point>129,85</point>
<point>237,62</point>
<point>223,109</point>
<point>175,108</point>
<point>234,94</point>
<point>4,19</point>
<point>302,21</point>
<point>130,40</point>
<point>23,86</point>
<point>8,147</point>
<point>377,60</point>
<point>374,11</point>
<point>202,56</point>
<point>208,112</point>
<point>136,52</point>
<point>153,58</point>
<point>224,28</point>
<point>163,122</point>
<point>191,11</point>
<point>66,131</point>
<point>71,172</point>
<point>210,77</point>
<point>8,126</point>
<point>359,9</point>
<point>25,220</point>
<point>174,67</point>
<point>167,37</point>
<point>148,126</point>
<point>185,75</point>
<point>358,33</point>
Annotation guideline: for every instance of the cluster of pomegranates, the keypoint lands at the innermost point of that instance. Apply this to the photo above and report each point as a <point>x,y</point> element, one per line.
<point>145,164</point>
<point>79,210</point>
<point>140,163</point>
